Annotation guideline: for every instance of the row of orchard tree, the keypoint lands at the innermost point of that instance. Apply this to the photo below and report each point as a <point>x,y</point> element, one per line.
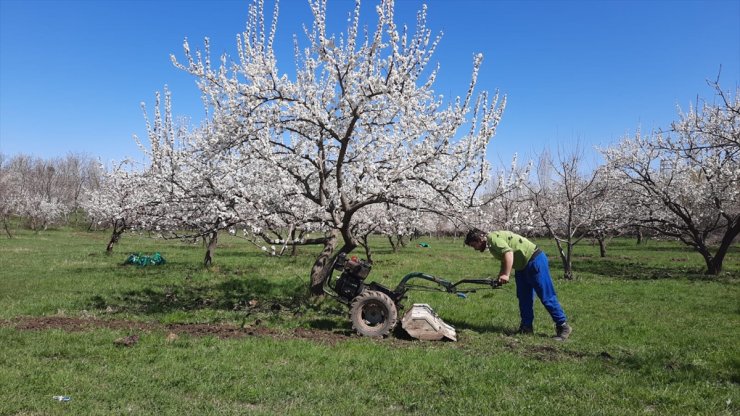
<point>44,193</point>
<point>356,142</point>
<point>682,182</point>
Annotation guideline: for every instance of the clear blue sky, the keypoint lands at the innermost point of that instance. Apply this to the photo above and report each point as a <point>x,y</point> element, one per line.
<point>72,73</point>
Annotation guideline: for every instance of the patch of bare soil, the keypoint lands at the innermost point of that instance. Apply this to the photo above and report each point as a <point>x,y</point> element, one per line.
<point>545,352</point>
<point>73,324</point>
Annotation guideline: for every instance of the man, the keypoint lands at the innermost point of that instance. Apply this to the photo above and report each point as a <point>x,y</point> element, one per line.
<point>532,275</point>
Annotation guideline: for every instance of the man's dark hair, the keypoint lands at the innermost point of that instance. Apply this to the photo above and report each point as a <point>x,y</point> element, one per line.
<point>474,235</point>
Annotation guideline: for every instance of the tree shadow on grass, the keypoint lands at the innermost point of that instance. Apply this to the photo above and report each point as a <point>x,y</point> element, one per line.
<point>133,270</point>
<point>332,325</point>
<point>673,368</point>
<point>253,294</point>
<point>250,296</point>
<point>672,246</point>
<point>654,247</point>
<point>631,270</point>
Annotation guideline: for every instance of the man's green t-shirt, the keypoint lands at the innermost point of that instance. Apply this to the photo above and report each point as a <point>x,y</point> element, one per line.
<point>500,242</point>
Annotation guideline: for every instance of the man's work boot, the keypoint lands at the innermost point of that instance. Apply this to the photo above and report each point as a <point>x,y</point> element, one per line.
<point>525,330</point>
<point>562,331</point>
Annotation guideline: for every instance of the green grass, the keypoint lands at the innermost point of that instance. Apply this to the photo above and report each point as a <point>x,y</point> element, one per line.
<point>652,334</point>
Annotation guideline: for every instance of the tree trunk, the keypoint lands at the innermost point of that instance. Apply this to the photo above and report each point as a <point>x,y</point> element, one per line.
<point>366,245</point>
<point>294,249</point>
<point>113,240</point>
<point>294,237</point>
<point>714,264</point>
<point>7,229</point>
<point>602,246</point>
<point>288,240</point>
<point>568,271</point>
<point>322,265</point>
<point>639,235</point>
<point>118,228</point>
<point>393,245</point>
<point>568,264</point>
<point>714,267</point>
<point>212,241</point>
<point>561,253</point>
<point>401,242</point>
<point>565,257</point>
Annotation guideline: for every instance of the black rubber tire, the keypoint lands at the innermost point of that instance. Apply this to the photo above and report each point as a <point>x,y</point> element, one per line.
<point>373,314</point>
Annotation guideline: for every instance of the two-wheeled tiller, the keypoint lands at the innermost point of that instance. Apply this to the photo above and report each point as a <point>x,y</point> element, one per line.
<point>374,307</point>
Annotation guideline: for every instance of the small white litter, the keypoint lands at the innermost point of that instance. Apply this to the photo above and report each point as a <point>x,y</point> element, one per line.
<point>422,323</point>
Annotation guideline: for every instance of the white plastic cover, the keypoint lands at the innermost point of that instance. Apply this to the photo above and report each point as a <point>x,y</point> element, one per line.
<point>422,323</point>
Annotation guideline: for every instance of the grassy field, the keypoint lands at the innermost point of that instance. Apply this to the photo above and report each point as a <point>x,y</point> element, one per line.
<point>652,334</point>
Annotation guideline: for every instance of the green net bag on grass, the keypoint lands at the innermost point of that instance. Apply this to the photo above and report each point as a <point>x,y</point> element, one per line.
<point>140,260</point>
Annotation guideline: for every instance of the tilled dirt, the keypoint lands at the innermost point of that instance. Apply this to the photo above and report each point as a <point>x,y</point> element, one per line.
<point>172,332</point>
<point>74,324</point>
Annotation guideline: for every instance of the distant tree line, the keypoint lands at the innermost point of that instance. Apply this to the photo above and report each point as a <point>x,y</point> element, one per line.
<point>46,192</point>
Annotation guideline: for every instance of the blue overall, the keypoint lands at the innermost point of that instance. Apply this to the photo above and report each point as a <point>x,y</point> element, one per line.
<point>535,278</point>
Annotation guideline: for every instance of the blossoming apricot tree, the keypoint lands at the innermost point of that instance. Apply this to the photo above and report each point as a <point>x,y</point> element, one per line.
<point>357,125</point>
<point>687,179</point>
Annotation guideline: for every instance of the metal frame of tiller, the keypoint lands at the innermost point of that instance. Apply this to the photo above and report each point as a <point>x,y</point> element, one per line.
<point>374,307</point>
